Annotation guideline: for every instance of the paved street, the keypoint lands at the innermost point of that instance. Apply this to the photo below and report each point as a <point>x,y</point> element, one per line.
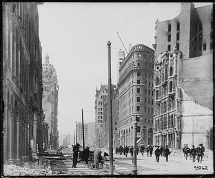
<point>123,166</point>
<point>177,165</point>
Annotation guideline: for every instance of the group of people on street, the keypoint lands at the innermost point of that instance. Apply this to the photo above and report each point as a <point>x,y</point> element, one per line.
<point>159,151</point>
<point>76,154</point>
<point>194,152</point>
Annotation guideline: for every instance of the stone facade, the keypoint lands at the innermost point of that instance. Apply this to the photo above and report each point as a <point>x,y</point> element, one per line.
<point>22,82</point>
<point>50,103</point>
<point>183,80</point>
<point>135,96</point>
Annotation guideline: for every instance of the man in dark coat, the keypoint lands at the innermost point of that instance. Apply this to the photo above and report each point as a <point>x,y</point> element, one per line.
<point>193,153</point>
<point>147,150</point>
<point>86,154</point>
<point>150,150</point>
<point>166,152</point>
<point>137,150</point>
<point>142,149</point>
<point>131,151</point>
<point>157,153</point>
<point>126,151</point>
<point>200,152</point>
<point>75,154</point>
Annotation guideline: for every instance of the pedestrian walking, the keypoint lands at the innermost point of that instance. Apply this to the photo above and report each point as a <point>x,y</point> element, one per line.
<point>120,149</point>
<point>200,152</point>
<point>193,153</point>
<point>142,149</point>
<point>137,150</point>
<point>186,151</point>
<point>86,154</point>
<point>131,151</point>
<point>157,153</point>
<point>166,152</point>
<point>75,154</point>
<point>147,150</point>
<point>126,151</point>
<point>161,150</point>
<point>150,150</point>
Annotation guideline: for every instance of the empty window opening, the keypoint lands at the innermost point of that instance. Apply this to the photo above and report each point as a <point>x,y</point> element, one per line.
<point>204,46</point>
<point>169,27</point>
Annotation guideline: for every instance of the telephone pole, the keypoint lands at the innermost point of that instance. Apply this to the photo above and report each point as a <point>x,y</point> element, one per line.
<point>110,109</point>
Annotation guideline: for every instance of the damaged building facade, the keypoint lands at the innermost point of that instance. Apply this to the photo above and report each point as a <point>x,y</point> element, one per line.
<point>22,83</point>
<point>183,79</point>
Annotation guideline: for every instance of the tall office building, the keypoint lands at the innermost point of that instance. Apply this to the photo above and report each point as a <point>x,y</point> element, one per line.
<point>50,102</point>
<point>135,96</point>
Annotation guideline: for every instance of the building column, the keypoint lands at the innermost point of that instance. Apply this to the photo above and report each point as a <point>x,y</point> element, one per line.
<point>11,140</point>
<point>18,141</point>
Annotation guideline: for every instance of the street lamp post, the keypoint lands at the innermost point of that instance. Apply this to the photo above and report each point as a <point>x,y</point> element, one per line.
<point>134,166</point>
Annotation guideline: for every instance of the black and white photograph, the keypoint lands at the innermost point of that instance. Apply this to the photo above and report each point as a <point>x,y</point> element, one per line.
<point>107,89</point>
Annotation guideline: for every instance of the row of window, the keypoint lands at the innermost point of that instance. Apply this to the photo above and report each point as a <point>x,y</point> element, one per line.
<point>170,27</point>
<point>204,46</point>
<point>177,37</point>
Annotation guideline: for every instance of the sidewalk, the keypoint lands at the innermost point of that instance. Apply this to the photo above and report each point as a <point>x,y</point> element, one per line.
<point>177,164</point>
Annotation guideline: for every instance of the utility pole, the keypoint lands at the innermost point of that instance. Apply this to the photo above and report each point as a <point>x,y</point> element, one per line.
<point>74,137</point>
<point>76,132</point>
<point>110,109</point>
<point>83,128</point>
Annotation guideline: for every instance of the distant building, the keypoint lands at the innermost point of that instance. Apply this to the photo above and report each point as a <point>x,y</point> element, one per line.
<point>183,79</point>
<point>106,126</point>
<point>89,134</point>
<point>135,96</point>
<point>50,102</point>
<point>100,95</point>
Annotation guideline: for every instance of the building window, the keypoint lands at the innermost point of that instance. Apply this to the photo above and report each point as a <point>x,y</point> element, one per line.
<point>138,73</point>
<point>169,38</point>
<point>138,108</point>
<point>178,26</point>
<point>138,64</point>
<point>200,37</point>
<point>171,71</point>
<point>145,100</point>
<point>138,99</point>
<point>200,47</point>
<point>177,36</point>
<point>204,46</point>
<point>211,45</point>
<point>138,90</point>
<point>145,91</point>
<point>170,86</point>
<point>138,81</point>
<point>169,49</point>
<point>169,27</point>
<point>177,46</point>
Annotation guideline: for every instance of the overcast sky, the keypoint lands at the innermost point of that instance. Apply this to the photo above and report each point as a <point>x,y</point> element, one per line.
<point>75,36</point>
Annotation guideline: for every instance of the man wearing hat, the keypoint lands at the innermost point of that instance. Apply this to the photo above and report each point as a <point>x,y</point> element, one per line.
<point>200,152</point>
<point>166,152</point>
<point>75,154</point>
